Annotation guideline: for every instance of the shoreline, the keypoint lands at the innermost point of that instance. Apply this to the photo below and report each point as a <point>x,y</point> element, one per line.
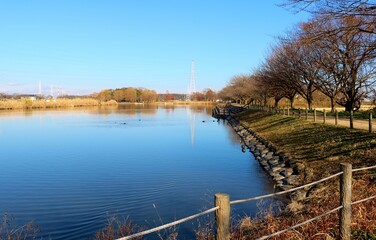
<point>29,105</point>
<point>285,172</point>
<point>294,151</point>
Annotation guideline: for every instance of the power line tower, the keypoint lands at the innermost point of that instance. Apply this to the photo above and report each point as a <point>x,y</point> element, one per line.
<point>40,88</point>
<point>192,84</point>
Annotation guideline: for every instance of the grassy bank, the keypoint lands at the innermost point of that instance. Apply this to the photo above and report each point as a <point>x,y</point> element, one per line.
<point>320,148</point>
<point>51,103</point>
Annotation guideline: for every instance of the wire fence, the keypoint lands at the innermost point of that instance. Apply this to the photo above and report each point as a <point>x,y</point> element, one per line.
<point>156,229</point>
<point>224,208</point>
<point>364,122</point>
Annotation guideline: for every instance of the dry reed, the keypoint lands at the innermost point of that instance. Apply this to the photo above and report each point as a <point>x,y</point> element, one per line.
<point>51,103</point>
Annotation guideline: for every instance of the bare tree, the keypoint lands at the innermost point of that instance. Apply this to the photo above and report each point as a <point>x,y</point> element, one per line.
<point>169,97</point>
<point>328,10</point>
<point>105,95</point>
<point>198,96</point>
<point>130,95</point>
<point>325,57</point>
<point>276,77</point>
<point>373,97</point>
<point>210,95</point>
<point>147,95</point>
<point>295,62</point>
<point>350,61</point>
<point>119,94</point>
<point>224,94</point>
<point>241,88</point>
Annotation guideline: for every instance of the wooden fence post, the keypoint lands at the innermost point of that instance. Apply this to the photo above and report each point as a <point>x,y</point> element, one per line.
<point>222,216</point>
<point>370,122</point>
<point>345,201</point>
<point>324,114</point>
<point>314,115</point>
<point>306,114</point>
<point>351,119</point>
<point>288,111</point>
<point>336,118</point>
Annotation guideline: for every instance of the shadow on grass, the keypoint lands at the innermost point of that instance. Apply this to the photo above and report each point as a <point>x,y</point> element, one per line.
<point>320,146</point>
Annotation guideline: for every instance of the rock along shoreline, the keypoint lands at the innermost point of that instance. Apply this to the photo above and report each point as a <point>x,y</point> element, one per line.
<point>285,172</point>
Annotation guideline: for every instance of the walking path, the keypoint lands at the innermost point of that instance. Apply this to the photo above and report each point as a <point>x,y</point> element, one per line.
<point>344,122</point>
<point>358,123</point>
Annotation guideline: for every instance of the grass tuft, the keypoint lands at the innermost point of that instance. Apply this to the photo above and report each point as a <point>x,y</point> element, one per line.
<point>10,231</point>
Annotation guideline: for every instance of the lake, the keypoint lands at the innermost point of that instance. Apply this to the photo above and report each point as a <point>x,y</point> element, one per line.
<point>69,171</point>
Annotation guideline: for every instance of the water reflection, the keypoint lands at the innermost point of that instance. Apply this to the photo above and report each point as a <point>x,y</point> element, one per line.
<point>231,133</point>
<point>192,120</point>
<point>82,165</point>
<point>133,109</point>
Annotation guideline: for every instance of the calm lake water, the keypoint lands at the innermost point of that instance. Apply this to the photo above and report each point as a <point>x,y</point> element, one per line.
<point>69,170</point>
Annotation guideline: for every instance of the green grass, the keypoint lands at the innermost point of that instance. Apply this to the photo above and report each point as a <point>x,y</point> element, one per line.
<point>320,147</point>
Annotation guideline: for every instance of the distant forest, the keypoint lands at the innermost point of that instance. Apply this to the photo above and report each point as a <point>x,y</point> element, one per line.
<point>126,94</point>
<point>145,95</point>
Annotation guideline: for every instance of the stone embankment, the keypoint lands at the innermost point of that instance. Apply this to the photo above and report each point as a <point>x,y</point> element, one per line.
<point>284,171</point>
<point>287,173</point>
<point>223,112</point>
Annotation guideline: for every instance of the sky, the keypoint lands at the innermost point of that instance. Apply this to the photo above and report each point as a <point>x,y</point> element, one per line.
<point>84,46</point>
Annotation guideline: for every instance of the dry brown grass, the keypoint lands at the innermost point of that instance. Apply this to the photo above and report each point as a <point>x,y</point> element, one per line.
<point>10,231</point>
<point>363,216</point>
<point>116,228</point>
<point>52,103</point>
<point>109,103</point>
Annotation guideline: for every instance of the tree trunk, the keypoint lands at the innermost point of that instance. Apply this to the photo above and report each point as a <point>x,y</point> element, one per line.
<point>265,100</point>
<point>309,102</point>
<point>348,106</point>
<point>276,101</point>
<point>292,102</point>
<point>332,104</point>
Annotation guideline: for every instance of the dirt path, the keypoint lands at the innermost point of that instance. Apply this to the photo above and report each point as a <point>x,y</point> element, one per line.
<point>344,122</point>
<point>358,123</point>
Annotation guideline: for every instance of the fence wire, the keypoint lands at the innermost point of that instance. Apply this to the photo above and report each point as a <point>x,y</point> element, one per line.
<point>284,192</point>
<point>156,229</point>
<point>363,200</point>
<point>365,168</point>
<point>300,224</point>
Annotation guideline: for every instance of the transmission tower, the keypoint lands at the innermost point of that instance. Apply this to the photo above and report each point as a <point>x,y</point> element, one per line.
<point>192,85</point>
<point>40,88</point>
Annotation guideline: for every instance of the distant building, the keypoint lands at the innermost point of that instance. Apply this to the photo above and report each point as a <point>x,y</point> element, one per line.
<point>32,97</point>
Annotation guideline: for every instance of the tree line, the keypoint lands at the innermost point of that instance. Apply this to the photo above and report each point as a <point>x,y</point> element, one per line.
<point>333,53</point>
<point>128,95</point>
<point>145,95</point>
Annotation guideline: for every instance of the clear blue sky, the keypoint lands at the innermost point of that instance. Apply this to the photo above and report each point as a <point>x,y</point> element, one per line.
<point>83,46</point>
